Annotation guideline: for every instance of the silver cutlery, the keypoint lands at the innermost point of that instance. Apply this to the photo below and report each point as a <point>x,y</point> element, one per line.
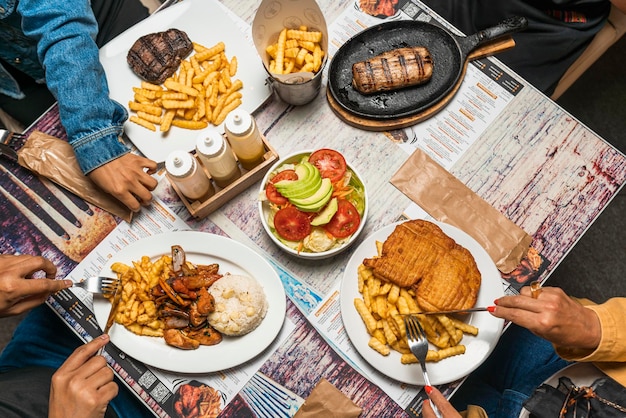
<point>418,344</point>
<point>455,311</point>
<point>105,286</point>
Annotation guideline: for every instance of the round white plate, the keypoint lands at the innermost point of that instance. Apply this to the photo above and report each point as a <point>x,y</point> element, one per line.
<point>200,248</point>
<point>581,374</point>
<point>206,23</point>
<point>447,370</point>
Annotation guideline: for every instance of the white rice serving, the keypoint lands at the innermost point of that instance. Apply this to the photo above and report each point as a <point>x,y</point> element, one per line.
<point>240,304</point>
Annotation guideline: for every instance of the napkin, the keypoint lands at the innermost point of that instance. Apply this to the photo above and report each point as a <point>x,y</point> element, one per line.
<point>54,158</point>
<point>327,401</point>
<point>448,200</point>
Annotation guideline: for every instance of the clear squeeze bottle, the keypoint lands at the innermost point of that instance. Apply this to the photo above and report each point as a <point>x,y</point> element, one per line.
<point>244,137</point>
<point>218,158</point>
<point>184,170</point>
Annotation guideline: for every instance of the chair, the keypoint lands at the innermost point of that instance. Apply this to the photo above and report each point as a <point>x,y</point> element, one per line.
<point>612,31</point>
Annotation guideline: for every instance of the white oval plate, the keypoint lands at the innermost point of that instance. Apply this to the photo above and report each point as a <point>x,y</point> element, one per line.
<point>447,370</point>
<point>200,248</point>
<point>206,23</point>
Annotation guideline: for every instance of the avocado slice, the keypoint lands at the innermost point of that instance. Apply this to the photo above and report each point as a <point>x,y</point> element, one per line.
<point>326,214</point>
<point>309,181</point>
<point>316,201</point>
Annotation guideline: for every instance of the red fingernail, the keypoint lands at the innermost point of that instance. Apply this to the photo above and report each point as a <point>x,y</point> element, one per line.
<point>495,302</point>
<point>491,308</point>
<point>428,389</point>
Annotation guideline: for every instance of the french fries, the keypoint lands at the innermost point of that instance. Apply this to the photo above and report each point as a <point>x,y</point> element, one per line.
<point>296,50</point>
<point>382,307</point>
<point>202,92</point>
<point>137,310</point>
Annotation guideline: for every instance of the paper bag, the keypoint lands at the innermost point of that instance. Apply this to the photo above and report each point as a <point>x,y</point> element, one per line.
<point>327,401</point>
<point>448,200</point>
<point>54,159</point>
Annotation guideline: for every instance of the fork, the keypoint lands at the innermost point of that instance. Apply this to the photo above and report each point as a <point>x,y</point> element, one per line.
<point>418,344</point>
<point>105,286</point>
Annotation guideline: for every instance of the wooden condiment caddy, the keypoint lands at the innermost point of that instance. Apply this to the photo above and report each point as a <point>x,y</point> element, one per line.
<point>202,208</point>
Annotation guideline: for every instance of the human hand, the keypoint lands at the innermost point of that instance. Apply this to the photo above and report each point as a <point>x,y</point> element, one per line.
<point>446,410</point>
<point>18,291</point>
<point>553,315</point>
<point>128,178</point>
<point>83,386</point>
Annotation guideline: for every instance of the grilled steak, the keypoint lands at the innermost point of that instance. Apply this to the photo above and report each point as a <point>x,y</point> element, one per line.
<point>392,70</point>
<point>156,56</point>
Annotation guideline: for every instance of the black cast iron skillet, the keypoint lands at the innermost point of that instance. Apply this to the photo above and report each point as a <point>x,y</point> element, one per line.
<point>448,52</point>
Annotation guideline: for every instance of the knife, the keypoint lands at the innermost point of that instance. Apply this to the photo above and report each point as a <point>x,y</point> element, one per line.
<point>116,301</point>
<point>456,311</point>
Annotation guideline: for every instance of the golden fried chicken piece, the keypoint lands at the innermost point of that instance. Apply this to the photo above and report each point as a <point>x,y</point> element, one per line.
<point>409,252</point>
<point>451,283</point>
<point>419,255</point>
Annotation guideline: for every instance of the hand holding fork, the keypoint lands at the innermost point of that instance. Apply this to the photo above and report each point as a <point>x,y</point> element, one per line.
<point>418,344</point>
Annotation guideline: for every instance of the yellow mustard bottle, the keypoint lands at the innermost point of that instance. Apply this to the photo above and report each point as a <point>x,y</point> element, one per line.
<point>217,157</point>
<point>244,138</point>
<point>183,170</point>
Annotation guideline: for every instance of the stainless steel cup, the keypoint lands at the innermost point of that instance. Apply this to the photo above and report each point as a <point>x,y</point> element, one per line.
<point>297,90</point>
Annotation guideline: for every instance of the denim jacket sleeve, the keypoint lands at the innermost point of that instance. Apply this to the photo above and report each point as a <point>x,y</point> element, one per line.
<point>65,31</point>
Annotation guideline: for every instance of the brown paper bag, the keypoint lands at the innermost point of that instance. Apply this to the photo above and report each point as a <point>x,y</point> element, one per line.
<point>54,158</point>
<point>448,200</point>
<point>327,401</point>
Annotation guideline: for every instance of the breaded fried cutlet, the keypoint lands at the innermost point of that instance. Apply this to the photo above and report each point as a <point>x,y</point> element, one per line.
<point>451,283</point>
<point>418,254</point>
<point>409,251</point>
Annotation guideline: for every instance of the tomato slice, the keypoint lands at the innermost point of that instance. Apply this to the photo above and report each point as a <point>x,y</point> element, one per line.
<point>274,195</point>
<point>330,163</point>
<point>292,224</point>
<point>345,221</point>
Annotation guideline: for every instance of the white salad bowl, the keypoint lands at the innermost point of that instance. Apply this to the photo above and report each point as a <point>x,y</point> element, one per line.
<point>265,211</point>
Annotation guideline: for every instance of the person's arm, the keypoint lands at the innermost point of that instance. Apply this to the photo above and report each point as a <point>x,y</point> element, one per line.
<point>83,386</point>
<point>65,33</point>
<point>446,410</point>
<point>620,4</point>
<point>553,315</point>
<point>612,346</point>
<point>18,291</point>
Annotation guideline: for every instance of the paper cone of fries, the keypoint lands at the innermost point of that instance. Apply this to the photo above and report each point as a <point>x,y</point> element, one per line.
<point>291,38</point>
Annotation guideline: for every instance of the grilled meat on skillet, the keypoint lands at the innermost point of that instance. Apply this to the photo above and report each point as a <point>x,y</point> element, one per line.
<point>395,69</point>
<point>156,56</point>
